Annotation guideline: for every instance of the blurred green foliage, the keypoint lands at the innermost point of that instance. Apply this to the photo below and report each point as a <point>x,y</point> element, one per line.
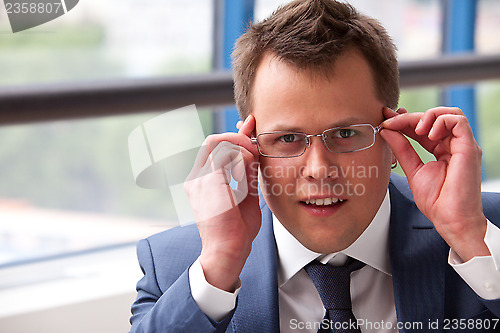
<point>419,100</point>
<point>488,116</point>
<point>488,103</point>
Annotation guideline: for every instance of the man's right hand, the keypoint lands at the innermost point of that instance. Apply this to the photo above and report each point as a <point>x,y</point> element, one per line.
<point>227,229</point>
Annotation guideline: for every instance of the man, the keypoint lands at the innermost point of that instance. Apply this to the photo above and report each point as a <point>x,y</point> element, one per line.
<point>316,84</point>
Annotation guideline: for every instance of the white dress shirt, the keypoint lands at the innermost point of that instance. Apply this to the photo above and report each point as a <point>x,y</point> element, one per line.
<point>372,293</point>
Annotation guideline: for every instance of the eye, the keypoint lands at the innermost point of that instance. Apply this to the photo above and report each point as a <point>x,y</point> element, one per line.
<point>288,138</point>
<point>345,133</point>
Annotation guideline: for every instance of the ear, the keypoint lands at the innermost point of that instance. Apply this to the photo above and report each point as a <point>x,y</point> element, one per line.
<point>393,157</point>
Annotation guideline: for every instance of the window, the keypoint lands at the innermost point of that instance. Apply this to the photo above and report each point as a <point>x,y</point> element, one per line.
<point>67,186</point>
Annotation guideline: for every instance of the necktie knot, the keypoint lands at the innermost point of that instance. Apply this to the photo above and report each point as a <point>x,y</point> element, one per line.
<point>333,282</point>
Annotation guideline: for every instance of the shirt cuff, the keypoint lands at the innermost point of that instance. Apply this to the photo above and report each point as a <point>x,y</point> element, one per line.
<point>482,274</point>
<point>214,302</point>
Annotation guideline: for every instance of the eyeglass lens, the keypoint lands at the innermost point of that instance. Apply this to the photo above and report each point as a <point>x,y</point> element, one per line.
<point>337,140</point>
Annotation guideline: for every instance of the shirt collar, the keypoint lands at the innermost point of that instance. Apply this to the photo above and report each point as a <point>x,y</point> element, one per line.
<point>372,247</point>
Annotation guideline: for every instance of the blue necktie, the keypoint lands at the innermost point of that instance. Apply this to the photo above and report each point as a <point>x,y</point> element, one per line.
<point>334,287</point>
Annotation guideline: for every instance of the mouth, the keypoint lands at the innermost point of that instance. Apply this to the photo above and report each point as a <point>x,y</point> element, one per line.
<point>323,201</point>
<point>323,207</point>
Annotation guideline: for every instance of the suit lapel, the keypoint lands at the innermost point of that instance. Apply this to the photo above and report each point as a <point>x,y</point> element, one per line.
<point>418,261</point>
<point>257,309</point>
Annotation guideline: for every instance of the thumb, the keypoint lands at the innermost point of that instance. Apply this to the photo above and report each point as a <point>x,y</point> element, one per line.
<point>403,150</point>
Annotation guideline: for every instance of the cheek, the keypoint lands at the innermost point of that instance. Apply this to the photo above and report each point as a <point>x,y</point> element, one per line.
<point>379,156</point>
<point>386,160</point>
<point>371,168</point>
<point>277,178</point>
<point>384,150</point>
<point>379,169</point>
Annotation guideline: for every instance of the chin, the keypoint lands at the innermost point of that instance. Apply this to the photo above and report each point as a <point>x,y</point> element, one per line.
<point>327,244</point>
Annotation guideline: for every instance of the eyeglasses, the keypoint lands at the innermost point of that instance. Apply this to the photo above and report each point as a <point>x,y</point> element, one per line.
<point>284,144</point>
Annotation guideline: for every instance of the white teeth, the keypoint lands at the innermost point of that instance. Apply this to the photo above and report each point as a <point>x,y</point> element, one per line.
<point>323,202</point>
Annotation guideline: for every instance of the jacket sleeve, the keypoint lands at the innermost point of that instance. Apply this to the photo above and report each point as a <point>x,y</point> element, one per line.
<point>491,204</point>
<point>170,310</point>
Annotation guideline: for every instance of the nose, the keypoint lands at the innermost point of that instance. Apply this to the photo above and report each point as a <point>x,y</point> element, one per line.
<point>319,161</point>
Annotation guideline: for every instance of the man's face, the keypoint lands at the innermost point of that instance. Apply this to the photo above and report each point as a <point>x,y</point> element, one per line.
<point>291,100</point>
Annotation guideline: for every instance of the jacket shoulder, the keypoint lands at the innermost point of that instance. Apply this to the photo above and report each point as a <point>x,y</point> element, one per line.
<point>172,252</point>
<point>491,207</point>
<point>401,184</point>
<point>180,240</point>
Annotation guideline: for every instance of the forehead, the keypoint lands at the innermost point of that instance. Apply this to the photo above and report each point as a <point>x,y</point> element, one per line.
<point>287,97</point>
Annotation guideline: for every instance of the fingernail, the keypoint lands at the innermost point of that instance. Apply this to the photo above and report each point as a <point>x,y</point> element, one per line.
<point>246,119</point>
<point>419,125</point>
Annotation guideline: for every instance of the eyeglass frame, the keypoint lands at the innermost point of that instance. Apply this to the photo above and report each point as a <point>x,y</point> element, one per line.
<point>376,130</point>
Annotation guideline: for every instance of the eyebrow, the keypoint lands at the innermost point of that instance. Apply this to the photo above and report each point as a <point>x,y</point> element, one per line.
<point>344,122</point>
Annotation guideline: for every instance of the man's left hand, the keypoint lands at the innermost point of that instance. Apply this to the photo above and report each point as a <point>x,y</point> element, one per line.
<point>447,191</point>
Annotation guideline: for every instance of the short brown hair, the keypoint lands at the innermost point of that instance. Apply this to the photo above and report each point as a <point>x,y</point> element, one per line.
<point>310,35</point>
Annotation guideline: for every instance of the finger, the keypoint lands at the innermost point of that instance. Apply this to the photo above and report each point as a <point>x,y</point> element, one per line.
<point>228,159</point>
<point>212,181</point>
<point>202,156</point>
<point>212,141</point>
<point>248,126</point>
<point>447,124</point>
<point>406,123</point>
<point>222,157</point>
<point>402,121</point>
<point>206,148</point>
<point>235,138</point>
<point>248,185</point>
<point>235,168</point>
<point>407,156</point>
<point>431,115</point>
<point>238,168</point>
<point>442,150</point>
<point>251,169</point>
<point>389,113</point>
<point>239,124</point>
<point>240,163</point>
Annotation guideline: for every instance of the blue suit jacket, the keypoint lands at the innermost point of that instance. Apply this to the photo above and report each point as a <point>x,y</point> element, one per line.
<point>426,288</point>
